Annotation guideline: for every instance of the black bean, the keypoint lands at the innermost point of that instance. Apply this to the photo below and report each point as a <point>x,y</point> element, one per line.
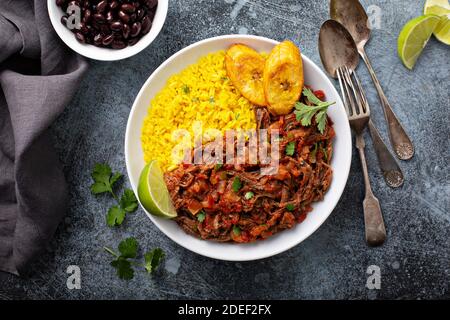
<point>60,3</point>
<point>101,6</point>
<point>98,38</point>
<point>80,37</point>
<point>95,25</point>
<point>126,31</point>
<point>135,29</point>
<point>109,16</point>
<point>118,44</point>
<point>124,17</point>
<point>129,8</point>
<point>83,29</point>
<point>99,18</point>
<point>117,35</point>
<point>107,40</point>
<point>146,25</point>
<point>151,14</point>
<point>104,28</point>
<point>116,26</point>
<point>114,4</point>
<point>133,17</point>
<point>140,14</point>
<point>64,20</point>
<point>133,41</point>
<point>87,15</point>
<point>151,3</point>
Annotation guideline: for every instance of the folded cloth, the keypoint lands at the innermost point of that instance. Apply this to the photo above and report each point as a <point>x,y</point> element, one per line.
<point>38,77</point>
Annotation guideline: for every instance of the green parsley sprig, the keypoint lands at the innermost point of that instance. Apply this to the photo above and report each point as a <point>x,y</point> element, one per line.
<point>201,216</point>
<point>126,258</point>
<point>290,148</point>
<point>104,182</point>
<point>237,184</point>
<point>249,195</point>
<point>290,207</point>
<point>305,113</point>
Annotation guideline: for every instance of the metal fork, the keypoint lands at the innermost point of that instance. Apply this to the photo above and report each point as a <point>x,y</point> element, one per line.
<point>392,173</point>
<point>359,116</point>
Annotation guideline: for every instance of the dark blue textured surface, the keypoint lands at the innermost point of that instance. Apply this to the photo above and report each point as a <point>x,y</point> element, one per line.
<point>332,263</point>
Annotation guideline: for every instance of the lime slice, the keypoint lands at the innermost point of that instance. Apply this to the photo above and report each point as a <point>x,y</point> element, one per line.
<point>153,193</point>
<point>413,38</point>
<point>438,5</point>
<point>440,8</point>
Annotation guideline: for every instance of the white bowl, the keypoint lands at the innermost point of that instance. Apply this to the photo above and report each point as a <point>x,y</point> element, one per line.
<point>106,54</point>
<point>281,241</point>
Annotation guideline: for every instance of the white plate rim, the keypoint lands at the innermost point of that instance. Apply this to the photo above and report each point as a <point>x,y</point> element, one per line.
<point>218,256</point>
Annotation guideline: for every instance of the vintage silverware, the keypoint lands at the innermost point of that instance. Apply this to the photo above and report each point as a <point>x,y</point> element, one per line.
<point>352,15</point>
<point>359,117</point>
<point>391,171</point>
<point>337,49</point>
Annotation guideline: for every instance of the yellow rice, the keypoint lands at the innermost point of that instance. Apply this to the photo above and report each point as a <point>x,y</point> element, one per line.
<point>201,92</point>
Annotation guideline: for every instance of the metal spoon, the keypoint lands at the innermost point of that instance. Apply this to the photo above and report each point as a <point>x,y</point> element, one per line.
<point>337,49</point>
<point>352,15</point>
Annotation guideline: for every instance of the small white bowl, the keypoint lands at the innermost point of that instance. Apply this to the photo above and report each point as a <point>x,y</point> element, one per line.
<point>106,54</point>
<point>281,241</point>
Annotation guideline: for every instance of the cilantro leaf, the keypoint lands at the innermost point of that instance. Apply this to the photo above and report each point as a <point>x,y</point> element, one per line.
<point>249,195</point>
<point>99,187</point>
<point>311,96</point>
<point>290,207</point>
<point>321,120</point>
<point>103,178</point>
<point>128,248</point>
<point>290,148</point>
<point>305,113</point>
<point>201,216</point>
<point>153,259</point>
<point>101,172</point>
<point>236,230</point>
<point>128,202</point>
<point>218,166</point>
<point>237,185</point>
<point>115,177</point>
<point>123,268</point>
<point>115,216</point>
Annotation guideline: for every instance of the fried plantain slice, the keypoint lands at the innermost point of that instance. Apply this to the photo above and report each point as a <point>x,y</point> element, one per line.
<point>245,68</point>
<point>283,78</point>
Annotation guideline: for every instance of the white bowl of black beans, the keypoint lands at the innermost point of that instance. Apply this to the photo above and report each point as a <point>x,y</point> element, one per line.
<point>107,30</point>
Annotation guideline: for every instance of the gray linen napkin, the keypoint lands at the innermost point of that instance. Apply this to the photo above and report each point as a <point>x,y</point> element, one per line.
<point>38,77</point>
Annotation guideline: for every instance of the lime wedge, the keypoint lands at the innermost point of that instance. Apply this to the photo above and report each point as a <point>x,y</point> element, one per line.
<point>440,8</point>
<point>153,193</point>
<point>438,5</point>
<point>414,36</point>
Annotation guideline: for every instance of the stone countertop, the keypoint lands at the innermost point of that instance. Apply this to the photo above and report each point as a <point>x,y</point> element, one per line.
<point>333,262</point>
